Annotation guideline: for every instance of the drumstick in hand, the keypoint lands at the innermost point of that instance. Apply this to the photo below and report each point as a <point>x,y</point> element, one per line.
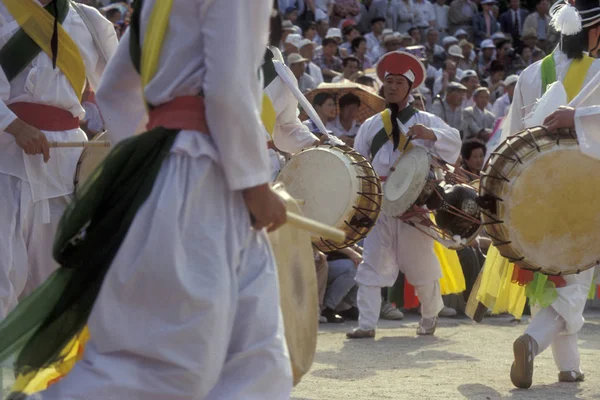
<point>95,143</point>
<point>309,225</point>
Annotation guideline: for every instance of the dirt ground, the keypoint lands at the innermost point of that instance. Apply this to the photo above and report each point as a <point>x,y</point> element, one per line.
<point>463,360</point>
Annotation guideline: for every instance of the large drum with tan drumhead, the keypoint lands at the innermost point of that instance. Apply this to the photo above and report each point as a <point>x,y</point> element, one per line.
<point>298,289</point>
<point>336,186</point>
<point>540,195</point>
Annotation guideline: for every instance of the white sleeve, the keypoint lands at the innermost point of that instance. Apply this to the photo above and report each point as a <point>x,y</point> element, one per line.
<point>231,89</point>
<point>516,114</point>
<point>290,134</point>
<point>123,110</point>
<point>587,120</point>
<point>448,143</point>
<point>362,144</point>
<point>6,116</point>
<point>108,42</point>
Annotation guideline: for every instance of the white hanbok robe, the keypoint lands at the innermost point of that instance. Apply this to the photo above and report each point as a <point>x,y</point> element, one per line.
<point>393,245</point>
<point>571,298</point>
<point>190,306</point>
<point>33,193</point>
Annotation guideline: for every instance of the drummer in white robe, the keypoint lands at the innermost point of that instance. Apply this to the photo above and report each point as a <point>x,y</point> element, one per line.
<point>393,246</point>
<point>38,105</point>
<point>283,129</point>
<point>189,308</point>
<point>558,324</point>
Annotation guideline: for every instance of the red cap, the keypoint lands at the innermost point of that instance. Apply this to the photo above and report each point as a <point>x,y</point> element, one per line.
<point>348,22</point>
<point>401,63</point>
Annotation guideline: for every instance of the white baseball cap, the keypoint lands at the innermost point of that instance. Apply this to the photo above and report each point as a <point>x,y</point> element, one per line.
<point>467,74</point>
<point>334,33</point>
<point>511,80</point>
<point>305,42</point>
<point>449,40</point>
<point>487,44</point>
<point>498,35</point>
<point>294,39</point>
<point>455,51</point>
<point>460,32</point>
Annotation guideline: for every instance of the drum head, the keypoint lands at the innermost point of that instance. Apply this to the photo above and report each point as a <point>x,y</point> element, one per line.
<point>325,181</point>
<point>541,193</point>
<point>406,182</point>
<point>552,210</point>
<point>90,158</point>
<point>298,290</point>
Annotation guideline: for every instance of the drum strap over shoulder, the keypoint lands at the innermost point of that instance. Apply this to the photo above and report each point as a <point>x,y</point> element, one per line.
<point>35,36</point>
<point>385,134</point>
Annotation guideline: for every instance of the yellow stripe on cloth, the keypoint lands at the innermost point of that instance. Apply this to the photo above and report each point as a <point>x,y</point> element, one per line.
<point>38,24</point>
<point>576,75</point>
<point>157,27</point>
<point>41,380</point>
<point>386,117</point>
<point>496,291</point>
<point>268,114</point>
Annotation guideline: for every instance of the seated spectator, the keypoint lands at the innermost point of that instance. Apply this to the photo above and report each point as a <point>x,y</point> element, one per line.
<point>351,67</point>
<point>478,121</point>
<point>510,60</point>
<point>406,40</point>
<point>415,34</point>
<point>367,81</point>
<point>487,54</point>
<point>297,65</point>
<point>501,106</point>
<point>468,60</point>
<point>331,65</point>
<point>350,33</point>
<point>419,101</point>
<point>484,23</point>
<point>529,38</point>
<point>473,155</point>
<point>435,53</point>
<point>291,14</point>
<point>322,28</point>
<point>527,55</point>
<point>324,105</point>
<point>307,50</point>
<point>375,37</point>
<point>292,44</point>
<point>470,80</point>
<point>447,76</point>
<point>344,125</point>
<point>340,296</point>
<point>359,50</point>
<point>449,109</point>
<point>311,31</point>
<point>494,81</point>
<point>344,9</point>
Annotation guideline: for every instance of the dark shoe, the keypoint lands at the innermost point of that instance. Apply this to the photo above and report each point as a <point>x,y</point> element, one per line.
<point>571,376</point>
<point>427,326</point>
<point>521,372</point>
<point>331,316</point>
<point>361,334</point>
<point>350,314</point>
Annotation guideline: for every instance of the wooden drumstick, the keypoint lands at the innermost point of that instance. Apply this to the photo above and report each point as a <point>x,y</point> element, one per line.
<point>95,143</point>
<point>309,225</point>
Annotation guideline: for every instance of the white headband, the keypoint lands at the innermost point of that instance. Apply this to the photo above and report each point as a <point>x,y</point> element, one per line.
<point>408,75</point>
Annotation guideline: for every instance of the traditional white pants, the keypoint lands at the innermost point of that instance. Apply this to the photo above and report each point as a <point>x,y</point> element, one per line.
<point>26,237</point>
<point>558,324</point>
<point>547,328</point>
<point>393,246</point>
<point>190,306</point>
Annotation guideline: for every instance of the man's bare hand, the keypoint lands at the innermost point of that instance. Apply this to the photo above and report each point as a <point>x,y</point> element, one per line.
<point>265,206</point>
<point>30,139</point>
<point>420,131</point>
<point>564,117</point>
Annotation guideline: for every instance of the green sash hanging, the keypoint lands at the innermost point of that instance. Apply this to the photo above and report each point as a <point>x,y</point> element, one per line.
<point>21,50</point>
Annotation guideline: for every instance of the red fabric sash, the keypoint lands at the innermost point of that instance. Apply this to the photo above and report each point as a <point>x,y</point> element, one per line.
<point>44,117</point>
<point>183,113</point>
<point>524,276</point>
